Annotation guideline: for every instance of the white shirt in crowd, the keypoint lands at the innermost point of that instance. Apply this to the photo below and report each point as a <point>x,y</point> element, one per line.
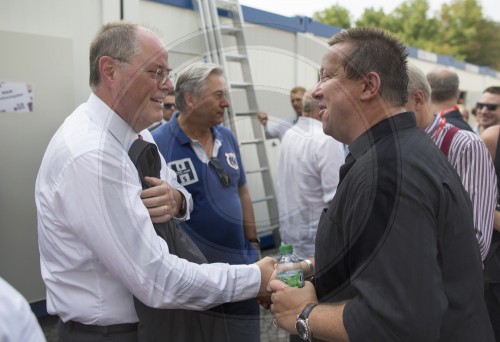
<point>17,321</point>
<point>276,128</point>
<point>308,175</point>
<point>98,246</point>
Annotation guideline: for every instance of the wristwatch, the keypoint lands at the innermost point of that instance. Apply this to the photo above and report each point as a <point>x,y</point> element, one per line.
<point>183,209</point>
<point>254,240</point>
<point>302,323</point>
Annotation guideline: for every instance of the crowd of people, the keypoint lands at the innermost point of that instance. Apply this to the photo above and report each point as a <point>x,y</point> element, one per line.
<point>382,186</point>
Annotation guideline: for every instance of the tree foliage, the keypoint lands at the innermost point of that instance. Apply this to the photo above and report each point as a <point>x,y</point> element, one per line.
<point>374,17</point>
<point>335,15</point>
<point>459,29</point>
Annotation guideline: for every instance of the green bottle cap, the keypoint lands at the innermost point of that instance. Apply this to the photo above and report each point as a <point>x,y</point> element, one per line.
<point>286,249</point>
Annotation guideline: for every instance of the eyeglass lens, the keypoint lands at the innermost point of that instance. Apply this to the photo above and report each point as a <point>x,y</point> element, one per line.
<point>169,105</point>
<point>162,76</point>
<point>489,106</point>
<point>221,171</point>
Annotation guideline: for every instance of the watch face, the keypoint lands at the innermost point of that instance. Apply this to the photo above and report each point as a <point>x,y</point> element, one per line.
<point>302,329</point>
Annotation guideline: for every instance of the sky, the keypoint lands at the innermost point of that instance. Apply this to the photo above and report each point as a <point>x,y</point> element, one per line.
<point>290,8</point>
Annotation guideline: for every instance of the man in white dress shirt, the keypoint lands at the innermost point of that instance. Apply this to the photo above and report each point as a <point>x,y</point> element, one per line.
<point>98,246</point>
<point>308,169</point>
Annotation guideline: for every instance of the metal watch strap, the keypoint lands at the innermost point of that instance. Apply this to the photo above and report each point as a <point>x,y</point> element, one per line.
<point>309,265</point>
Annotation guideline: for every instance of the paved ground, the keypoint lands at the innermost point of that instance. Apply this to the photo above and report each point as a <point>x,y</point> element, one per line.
<point>49,327</point>
<point>268,332</point>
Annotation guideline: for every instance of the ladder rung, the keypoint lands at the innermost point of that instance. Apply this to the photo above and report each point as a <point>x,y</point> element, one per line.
<point>241,85</point>
<point>229,30</point>
<point>251,141</point>
<point>227,5</point>
<point>251,113</point>
<point>259,170</point>
<point>263,199</point>
<point>267,228</point>
<point>234,57</point>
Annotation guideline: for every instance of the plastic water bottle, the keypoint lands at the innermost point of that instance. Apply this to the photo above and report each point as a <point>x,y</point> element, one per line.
<point>288,269</point>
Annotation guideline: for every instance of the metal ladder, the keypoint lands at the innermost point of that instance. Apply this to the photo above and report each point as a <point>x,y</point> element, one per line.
<point>226,46</point>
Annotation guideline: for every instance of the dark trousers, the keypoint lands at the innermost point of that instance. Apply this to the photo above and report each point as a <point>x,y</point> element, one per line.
<point>243,321</point>
<point>67,334</point>
<point>492,298</point>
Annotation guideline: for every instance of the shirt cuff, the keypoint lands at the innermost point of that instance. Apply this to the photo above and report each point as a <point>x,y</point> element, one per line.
<point>189,205</point>
<point>248,282</point>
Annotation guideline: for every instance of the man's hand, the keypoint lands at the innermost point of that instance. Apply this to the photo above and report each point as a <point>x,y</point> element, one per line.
<point>288,302</point>
<point>162,201</point>
<point>266,266</point>
<point>262,117</point>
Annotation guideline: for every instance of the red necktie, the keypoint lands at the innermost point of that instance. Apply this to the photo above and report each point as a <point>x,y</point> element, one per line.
<point>139,137</point>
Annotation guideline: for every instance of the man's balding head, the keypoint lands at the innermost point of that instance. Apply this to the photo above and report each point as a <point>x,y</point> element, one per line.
<point>444,84</point>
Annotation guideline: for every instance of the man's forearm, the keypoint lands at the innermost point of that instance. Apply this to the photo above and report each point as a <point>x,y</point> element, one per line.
<point>326,322</point>
<point>250,230</point>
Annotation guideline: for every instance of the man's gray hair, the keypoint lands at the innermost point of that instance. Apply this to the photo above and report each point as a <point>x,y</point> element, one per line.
<point>418,81</point>
<point>193,79</point>
<point>117,40</point>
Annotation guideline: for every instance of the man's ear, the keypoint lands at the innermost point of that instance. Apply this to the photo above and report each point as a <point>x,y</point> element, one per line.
<point>107,69</point>
<point>189,100</point>
<point>371,86</point>
<point>418,99</point>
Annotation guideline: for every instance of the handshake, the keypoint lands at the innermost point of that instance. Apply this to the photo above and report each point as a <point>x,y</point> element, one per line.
<point>267,267</point>
<point>284,302</point>
<point>269,284</point>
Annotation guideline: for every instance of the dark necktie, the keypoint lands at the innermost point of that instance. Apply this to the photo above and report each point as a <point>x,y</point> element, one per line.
<point>349,162</point>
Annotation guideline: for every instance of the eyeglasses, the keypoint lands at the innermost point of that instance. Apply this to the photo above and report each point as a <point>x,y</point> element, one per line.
<point>221,171</point>
<point>161,76</point>
<point>169,105</point>
<point>489,106</point>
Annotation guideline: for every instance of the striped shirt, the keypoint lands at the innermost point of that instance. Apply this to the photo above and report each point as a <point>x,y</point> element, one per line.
<point>470,158</point>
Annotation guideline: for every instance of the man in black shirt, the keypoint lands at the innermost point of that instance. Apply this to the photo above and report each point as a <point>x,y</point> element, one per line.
<point>396,256</point>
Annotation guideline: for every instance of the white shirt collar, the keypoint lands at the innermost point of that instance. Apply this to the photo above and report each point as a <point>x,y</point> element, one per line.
<point>113,122</point>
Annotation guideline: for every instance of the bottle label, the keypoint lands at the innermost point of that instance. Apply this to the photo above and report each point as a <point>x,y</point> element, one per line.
<point>293,278</point>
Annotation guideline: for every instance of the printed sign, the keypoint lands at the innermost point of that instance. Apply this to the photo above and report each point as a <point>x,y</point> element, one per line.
<point>16,97</point>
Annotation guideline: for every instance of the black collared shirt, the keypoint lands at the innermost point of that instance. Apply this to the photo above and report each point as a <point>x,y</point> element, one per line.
<point>398,243</point>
